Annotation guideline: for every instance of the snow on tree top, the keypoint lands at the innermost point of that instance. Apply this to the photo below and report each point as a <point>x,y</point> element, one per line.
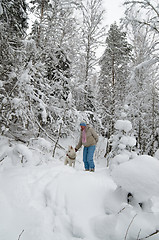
<point>1,9</point>
<point>1,84</point>
<point>128,141</point>
<point>139,176</point>
<point>123,125</point>
<point>126,107</point>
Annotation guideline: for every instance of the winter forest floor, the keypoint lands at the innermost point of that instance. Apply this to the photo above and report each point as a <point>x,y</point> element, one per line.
<point>50,201</point>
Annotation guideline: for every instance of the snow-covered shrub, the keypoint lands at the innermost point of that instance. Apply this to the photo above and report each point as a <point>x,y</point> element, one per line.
<point>139,177</point>
<point>122,143</point>
<point>36,152</point>
<point>20,155</point>
<point>138,218</point>
<point>42,144</point>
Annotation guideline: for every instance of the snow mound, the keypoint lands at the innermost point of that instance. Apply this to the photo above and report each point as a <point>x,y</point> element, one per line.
<point>120,158</point>
<point>139,176</point>
<point>157,154</point>
<point>70,201</point>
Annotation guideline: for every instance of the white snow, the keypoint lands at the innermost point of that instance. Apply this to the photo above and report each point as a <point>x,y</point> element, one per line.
<point>16,101</point>
<point>1,84</point>
<point>123,115</point>
<point>128,140</point>
<point>1,9</point>
<point>44,200</point>
<point>157,154</point>
<point>124,157</point>
<point>43,110</point>
<point>123,125</point>
<point>122,144</point>
<point>139,176</point>
<point>25,78</point>
<point>4,101</point>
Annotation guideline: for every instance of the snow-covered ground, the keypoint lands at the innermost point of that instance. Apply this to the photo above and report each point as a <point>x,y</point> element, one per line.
<point>41,199</point>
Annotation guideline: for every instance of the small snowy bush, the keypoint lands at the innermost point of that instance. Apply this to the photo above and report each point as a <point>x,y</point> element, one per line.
<point>18,154</point>
<point>122,143</point>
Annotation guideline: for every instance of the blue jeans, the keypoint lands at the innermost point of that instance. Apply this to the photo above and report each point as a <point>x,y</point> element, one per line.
<point>88,153</point>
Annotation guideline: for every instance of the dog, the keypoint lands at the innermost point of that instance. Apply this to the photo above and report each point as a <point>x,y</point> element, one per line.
<point>70,157</point>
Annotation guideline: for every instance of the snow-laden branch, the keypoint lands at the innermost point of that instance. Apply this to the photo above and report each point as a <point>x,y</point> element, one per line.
<point>148,63</point>
<point>152,26</point>
<point>154,9</point>
<point>48,135</point>
<point>145,64</point>
<point>144,3</point>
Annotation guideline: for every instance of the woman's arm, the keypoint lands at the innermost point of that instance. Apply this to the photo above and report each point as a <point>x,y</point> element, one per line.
<point>79,143</point>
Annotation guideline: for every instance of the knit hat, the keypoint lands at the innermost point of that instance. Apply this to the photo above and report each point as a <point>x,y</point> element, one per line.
<point>83,124</point>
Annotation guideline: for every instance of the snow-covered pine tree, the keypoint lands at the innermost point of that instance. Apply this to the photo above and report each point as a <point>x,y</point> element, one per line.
<point>114,76</point>
<point>54,32</point>
<point>13,20</point>
<point>122,141</point>
<point>50,31</point>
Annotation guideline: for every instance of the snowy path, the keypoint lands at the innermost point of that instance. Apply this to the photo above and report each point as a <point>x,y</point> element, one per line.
<point>52,202</point>
<point>56,202</point>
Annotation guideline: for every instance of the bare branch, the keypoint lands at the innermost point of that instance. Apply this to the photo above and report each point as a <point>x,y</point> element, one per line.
<point>138,234</point>
<point>121,210</point>
<point>129,227</point>
<point>20,235</point>
<point>154,9</point>
<point>3,157</point>
<point>146,4</point>
<point>152,234</point>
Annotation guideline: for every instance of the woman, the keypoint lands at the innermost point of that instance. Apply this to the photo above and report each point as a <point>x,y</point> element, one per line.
<point>89,139</point>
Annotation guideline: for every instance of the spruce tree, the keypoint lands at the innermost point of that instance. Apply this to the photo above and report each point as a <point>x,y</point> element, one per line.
<point>113,76</point>
<point>13,20</point>
<point>53,34</point>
